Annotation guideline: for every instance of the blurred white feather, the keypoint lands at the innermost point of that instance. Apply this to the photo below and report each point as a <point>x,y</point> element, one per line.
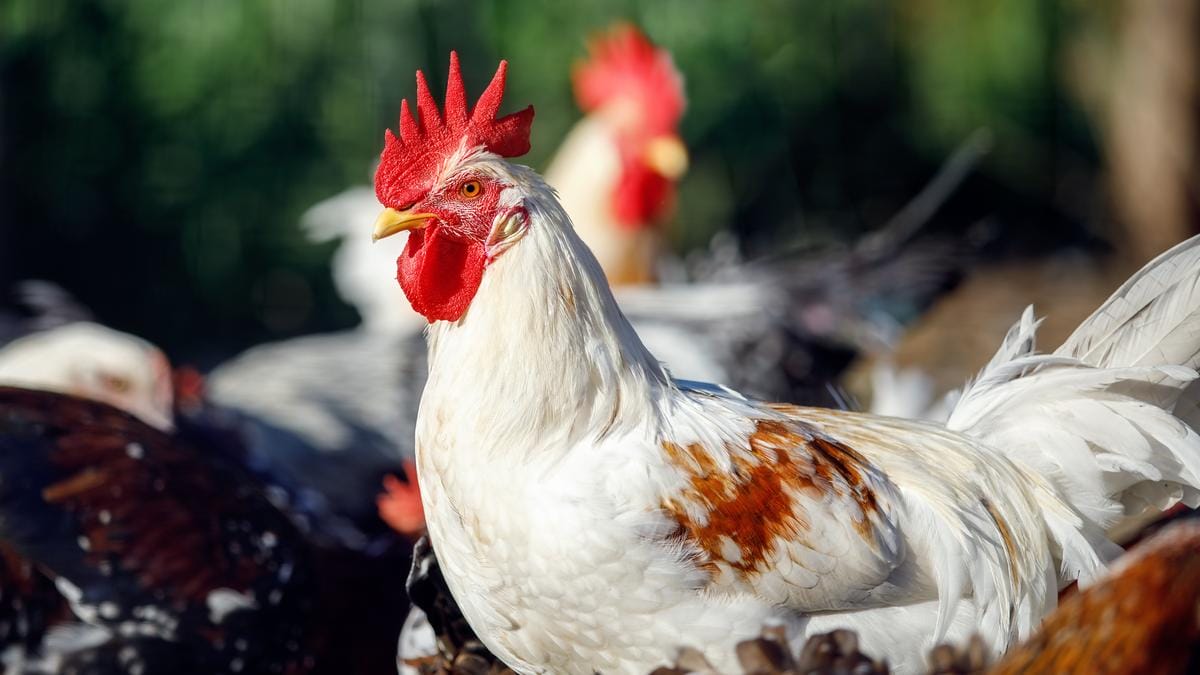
<point>906,392</point>
<point>327,388</point>
<point>90,360</point>
<point>417,641</point>
<point>360,266</point>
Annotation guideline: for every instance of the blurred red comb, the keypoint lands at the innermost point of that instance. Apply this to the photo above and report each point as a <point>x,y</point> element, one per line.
<point>409,163</point>
<point>624,63</point>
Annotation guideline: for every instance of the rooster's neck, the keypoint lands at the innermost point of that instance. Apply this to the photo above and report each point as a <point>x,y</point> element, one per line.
<point>543,357</point>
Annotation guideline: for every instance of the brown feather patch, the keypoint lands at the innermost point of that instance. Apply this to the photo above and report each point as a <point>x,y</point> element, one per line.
<point>740,516</point>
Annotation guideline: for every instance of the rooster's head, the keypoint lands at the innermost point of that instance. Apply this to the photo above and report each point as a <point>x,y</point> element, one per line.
<point>438,180</point>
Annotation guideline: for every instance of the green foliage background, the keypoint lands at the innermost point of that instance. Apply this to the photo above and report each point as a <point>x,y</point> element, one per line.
<point>155,156</point>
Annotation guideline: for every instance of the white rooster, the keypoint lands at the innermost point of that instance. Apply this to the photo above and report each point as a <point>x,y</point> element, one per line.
<point>340,392</point>
<point>616,170</point>
<point>590,513</point>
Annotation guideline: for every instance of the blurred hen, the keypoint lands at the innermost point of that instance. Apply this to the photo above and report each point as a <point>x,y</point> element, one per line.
<point>51,342</point>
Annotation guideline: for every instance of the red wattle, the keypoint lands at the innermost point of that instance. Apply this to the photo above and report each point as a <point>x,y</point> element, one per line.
<point>440,274</point>
<point>642,196</point>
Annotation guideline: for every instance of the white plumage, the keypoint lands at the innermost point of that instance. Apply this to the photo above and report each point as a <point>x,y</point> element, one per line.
<point>1152,319</point>
<point>590,513</point>
<point>358,264</point>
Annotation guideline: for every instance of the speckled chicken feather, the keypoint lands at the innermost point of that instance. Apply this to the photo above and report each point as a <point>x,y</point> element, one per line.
<point>151,547</point>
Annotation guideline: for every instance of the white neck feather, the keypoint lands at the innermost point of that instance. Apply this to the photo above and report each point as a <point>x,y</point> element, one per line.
<point>543,353</point>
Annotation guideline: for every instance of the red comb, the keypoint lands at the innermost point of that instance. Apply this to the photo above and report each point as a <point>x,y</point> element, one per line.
<point>409,164</point>
<point>623,62</point>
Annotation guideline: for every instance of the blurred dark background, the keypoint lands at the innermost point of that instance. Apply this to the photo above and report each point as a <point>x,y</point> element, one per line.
<point>155,157</point>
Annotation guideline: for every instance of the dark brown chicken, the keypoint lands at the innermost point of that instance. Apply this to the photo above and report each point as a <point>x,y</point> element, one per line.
<point>156,552</point>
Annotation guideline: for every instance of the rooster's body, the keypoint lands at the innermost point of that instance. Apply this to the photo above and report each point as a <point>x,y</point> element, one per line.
<point>592,514</point>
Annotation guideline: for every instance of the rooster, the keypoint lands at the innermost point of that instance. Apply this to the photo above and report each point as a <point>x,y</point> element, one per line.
<point>615,172</point>
<point>590,513</point>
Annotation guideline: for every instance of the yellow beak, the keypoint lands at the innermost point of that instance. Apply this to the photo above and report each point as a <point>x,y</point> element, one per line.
<point>667,156</point>
<point>392,221</point>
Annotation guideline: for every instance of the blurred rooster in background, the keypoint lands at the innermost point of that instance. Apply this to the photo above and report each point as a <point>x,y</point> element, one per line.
<point>617,169</point>
<point>780,328</point>
<point>590,512</point>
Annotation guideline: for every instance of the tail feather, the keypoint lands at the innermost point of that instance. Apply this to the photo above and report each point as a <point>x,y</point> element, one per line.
<point>1109,418</point>
<point>1153,319</point>
<point>1096,432</point>
<point>1021,340</point>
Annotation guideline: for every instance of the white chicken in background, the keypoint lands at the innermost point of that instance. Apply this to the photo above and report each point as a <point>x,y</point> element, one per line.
<point>590,513</point>
<point>356,264</point>
<point>93,361</point>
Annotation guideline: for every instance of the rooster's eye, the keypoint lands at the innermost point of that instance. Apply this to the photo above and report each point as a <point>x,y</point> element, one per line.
<point>471,189</point>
